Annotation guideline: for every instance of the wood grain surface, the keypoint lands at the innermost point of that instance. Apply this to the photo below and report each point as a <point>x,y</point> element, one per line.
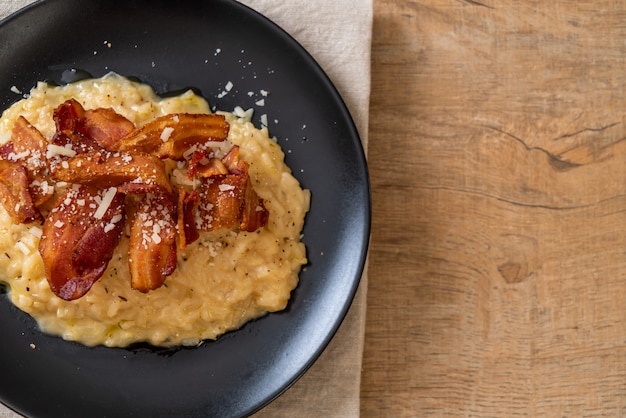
<point>497,275</point>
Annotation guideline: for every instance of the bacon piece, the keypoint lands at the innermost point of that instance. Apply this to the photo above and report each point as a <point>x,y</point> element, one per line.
<point>74,142</point>
<point>187,230</point>
<point>254,214</point>
<point>26,140</point>
<point>14,193</point>
<point>113,169</point>
<point>226,200</point>
<point>88,130</point>
<point>107,127</point>
<point>69,119</point>
<point>198,167</point>
<point>230,201</point>
<point>152,255</point>
<point>172,135</point>
<point>6,151</point>
<point>231,159</point>
<point>27,146</point>
<point>79,237</point>
<point>221,201</point>
<point>69,116</point>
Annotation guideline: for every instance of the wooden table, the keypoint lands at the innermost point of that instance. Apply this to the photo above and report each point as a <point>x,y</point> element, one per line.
<point>497,275</point>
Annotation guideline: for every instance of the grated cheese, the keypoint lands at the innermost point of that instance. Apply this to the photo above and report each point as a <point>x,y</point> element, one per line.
<point>36,231</point>
<point>55,150</point>
<point>226,187</point>
<point>106,202</point>
<point>15,157</point>
<point>187,154</point>
<point>23,248</point>
<point>156,238</point>
<point>167,132</point>
<point>246,115</point>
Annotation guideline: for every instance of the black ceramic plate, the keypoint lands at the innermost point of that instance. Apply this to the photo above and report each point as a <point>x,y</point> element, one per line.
<point>172,45</point>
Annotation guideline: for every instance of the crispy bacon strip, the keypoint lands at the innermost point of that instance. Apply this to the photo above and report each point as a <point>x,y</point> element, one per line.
<point>69,119</point>
<point>254,214</point>
<point>69,116</point>
<point>107,127</point>
<point>230,201</point>
<point>231,159</point>
<point>27,146</point>
<point>6,150</point>
<point>172,135</point>
<point>14,193</point>
<point>113,169</point>
<point>152,255</point>
<point>26,140</point>
<point>187,204</point>
<point>198,168</point>
<point>221,201</point>
<point>226,200</point>
<point>89,130</point>
<point>79,237</point>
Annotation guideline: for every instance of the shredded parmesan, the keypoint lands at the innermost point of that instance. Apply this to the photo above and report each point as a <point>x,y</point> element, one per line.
<point>106,202</point>
<point>23,248</point>
<point>187,154</point>
<point>156,238</point>
<point>226,187</point>
<point>246,115</point>
<point>15,157</point>
<point>167,132</point>
<point>36,231</point>
<point>53,150</point>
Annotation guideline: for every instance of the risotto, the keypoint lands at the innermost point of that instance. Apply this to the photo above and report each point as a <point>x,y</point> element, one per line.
<point>223,279</point>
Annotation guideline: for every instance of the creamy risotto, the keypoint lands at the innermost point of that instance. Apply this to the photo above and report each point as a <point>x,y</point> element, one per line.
<point>224,279</point>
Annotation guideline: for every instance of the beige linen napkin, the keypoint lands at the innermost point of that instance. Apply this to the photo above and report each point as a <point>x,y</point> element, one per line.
<point>338,35</point>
